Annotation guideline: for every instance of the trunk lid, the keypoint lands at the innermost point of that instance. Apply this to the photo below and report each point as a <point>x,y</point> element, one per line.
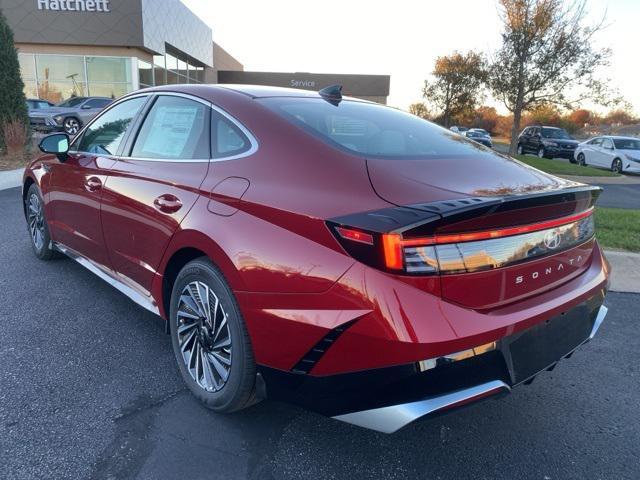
<point>501,231</point>
<point>408,182</point>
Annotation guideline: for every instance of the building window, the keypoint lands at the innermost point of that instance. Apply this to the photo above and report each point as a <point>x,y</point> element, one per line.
<point>199,74</point>
<point>159,71</point>
<point>28,72</point>
<point>60,77</point>
<point>145,74</point>
<point>109,76</point>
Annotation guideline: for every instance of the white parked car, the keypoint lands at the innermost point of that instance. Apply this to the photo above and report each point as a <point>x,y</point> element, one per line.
<point>619,154</point>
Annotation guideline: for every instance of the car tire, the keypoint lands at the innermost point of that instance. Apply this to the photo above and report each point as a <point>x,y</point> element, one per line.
<point>582,161</point>
<point>542,153</point>
<point>616,165</point>
<point>520,150</point>
<point>71,126</point>
<point>211,343</point>
<point>37,225</point>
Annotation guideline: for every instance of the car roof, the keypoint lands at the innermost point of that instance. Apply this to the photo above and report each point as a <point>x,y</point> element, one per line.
<point>265,91</point>
<point>619,137</point>
<point>261,91</point>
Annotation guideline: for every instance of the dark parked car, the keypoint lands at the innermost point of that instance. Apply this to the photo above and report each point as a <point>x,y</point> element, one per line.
<point>480,136</point>
<point>339,254</point>
<point>547,142</point>
<point>68,116</point>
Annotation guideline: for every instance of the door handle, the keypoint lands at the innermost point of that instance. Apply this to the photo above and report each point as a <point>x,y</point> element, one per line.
<point>167,203</point>
<point>92,184</point>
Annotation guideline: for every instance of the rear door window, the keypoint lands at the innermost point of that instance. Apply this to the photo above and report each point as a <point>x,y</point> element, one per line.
<point>175,128</point>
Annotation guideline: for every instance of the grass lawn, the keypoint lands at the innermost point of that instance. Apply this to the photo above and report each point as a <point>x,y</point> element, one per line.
<point>618,228</point>
<point>558,167</point>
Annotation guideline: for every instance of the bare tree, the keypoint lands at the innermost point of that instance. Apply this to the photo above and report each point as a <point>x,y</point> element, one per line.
<point>457,84</point>
<point>419,109</point>
<point>546,57</point>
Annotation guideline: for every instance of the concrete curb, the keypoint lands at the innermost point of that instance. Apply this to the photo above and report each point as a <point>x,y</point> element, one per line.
<point>11,178</point>
<point>625,275</point>
<point>621,180</point>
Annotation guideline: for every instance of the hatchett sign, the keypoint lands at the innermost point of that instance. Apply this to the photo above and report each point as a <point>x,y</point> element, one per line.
<point>74,5</point>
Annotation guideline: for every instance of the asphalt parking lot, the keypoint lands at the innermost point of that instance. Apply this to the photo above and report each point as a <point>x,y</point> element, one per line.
<point>89,389</point>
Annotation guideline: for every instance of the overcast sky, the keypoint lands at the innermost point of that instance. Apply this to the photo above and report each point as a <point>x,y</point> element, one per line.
<point>400,38</point>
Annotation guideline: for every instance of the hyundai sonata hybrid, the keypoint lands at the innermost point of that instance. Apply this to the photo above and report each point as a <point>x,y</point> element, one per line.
<point>334,253</point>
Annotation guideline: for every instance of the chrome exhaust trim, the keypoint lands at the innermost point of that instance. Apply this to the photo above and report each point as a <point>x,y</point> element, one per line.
<point>393,418</point>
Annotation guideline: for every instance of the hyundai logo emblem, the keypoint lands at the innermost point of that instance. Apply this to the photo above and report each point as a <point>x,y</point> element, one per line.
<point>552,239</point>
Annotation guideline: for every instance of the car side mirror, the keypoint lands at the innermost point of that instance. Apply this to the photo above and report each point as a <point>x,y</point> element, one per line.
<point>58,144</point>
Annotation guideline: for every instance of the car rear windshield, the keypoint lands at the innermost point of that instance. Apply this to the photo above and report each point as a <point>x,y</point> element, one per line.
<point>372,130</point>
<point>555,133</point>
<point>626,143</point>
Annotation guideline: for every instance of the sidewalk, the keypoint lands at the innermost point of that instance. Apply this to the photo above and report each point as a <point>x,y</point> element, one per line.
<point>625,275</point>
<point>11,178</point>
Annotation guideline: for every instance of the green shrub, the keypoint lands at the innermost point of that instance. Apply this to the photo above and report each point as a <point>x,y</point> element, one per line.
<point>13,105</point>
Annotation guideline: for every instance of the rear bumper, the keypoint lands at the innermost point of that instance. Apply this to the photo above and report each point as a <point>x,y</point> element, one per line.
<point>388,399</point>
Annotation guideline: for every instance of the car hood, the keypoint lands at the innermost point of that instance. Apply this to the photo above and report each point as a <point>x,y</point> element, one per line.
<point>408,182</point>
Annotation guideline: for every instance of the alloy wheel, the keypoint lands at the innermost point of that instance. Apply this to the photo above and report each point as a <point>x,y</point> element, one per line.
<point>71,126</point>
<point>616,166</point>
<point>36,221</point>
<point>581,160</point>
<point>204,336</point>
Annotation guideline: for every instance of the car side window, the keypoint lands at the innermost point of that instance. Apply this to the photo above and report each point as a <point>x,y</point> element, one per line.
<point>105,134</point>
<point>607,143</point>
<point>175,128</point>
<point>526,131</point>
<point>228,140</point>
<point>596,142</point>
<point>97,103</point>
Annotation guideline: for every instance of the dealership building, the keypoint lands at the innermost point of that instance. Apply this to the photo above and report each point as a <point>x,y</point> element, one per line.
<point>112,47</point>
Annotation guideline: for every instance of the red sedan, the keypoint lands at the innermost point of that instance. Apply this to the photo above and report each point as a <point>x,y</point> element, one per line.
<point>331,252</point>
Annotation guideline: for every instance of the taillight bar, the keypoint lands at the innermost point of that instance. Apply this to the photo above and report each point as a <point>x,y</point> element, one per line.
<point>498,233</point>
<point>397,249</point>
<point>468,251</point>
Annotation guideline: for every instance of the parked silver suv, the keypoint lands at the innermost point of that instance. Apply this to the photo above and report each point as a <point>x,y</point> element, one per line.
<point>68,116</point>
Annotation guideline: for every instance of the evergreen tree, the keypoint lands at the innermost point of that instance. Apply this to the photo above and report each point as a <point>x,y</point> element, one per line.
<point>12,100</point>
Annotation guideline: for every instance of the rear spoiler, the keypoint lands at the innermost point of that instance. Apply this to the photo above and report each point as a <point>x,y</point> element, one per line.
<point>426,218</point>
